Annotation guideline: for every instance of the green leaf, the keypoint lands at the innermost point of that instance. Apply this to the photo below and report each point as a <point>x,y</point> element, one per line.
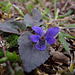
<point>71,25</point>
<point>2,3</point>
<point>55,12</point>
<point>1,52</point>
<point>63,42</point>
<point>12,26</point>
<point>67,14</point>
<point>11,71</point>
<point>71,67</point>
<point>67,35</point>
<point>23,1</point>
<point>12,56</point>
<point>29,8</point>
<point>3,8</point>
<point>19,70</point>
<point>4,59</point>
<point>8,5</point>
<point>30,56</point>
<point>17,8</point>
<point>36,19</point>
<point>37,1</point>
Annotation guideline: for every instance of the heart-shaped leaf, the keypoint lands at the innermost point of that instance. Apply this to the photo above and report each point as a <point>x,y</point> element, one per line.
<point>12,26</point>
<point>30,56</point>
<point>36,19</point>
<point>28,20</point>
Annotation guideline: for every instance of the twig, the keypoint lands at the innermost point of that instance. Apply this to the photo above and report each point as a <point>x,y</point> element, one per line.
<point>3,49</point>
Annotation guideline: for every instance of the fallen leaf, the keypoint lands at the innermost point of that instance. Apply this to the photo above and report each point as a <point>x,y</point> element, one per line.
<point>58,57</point>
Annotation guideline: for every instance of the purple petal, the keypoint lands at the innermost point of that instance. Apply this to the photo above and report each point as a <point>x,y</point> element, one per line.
<point>38,30</point>
<point>50,40</point>
<point>35,38</point>
<point>40,47</point>
<point>52,32</point>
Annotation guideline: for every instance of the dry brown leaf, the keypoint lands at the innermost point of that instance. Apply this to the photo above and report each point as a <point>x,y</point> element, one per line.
<point>38,72</point>
<point>58,57</point>
<point>73,29</point>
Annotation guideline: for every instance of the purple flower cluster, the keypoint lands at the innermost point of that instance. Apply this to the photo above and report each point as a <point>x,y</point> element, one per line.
<point>41,38</point>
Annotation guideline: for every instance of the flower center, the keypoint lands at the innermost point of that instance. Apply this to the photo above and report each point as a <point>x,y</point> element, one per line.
<point>42,41</point>
<point>43,37</point>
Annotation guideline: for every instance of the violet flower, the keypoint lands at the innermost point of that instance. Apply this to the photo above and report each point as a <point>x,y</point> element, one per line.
<point>41,38</point>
